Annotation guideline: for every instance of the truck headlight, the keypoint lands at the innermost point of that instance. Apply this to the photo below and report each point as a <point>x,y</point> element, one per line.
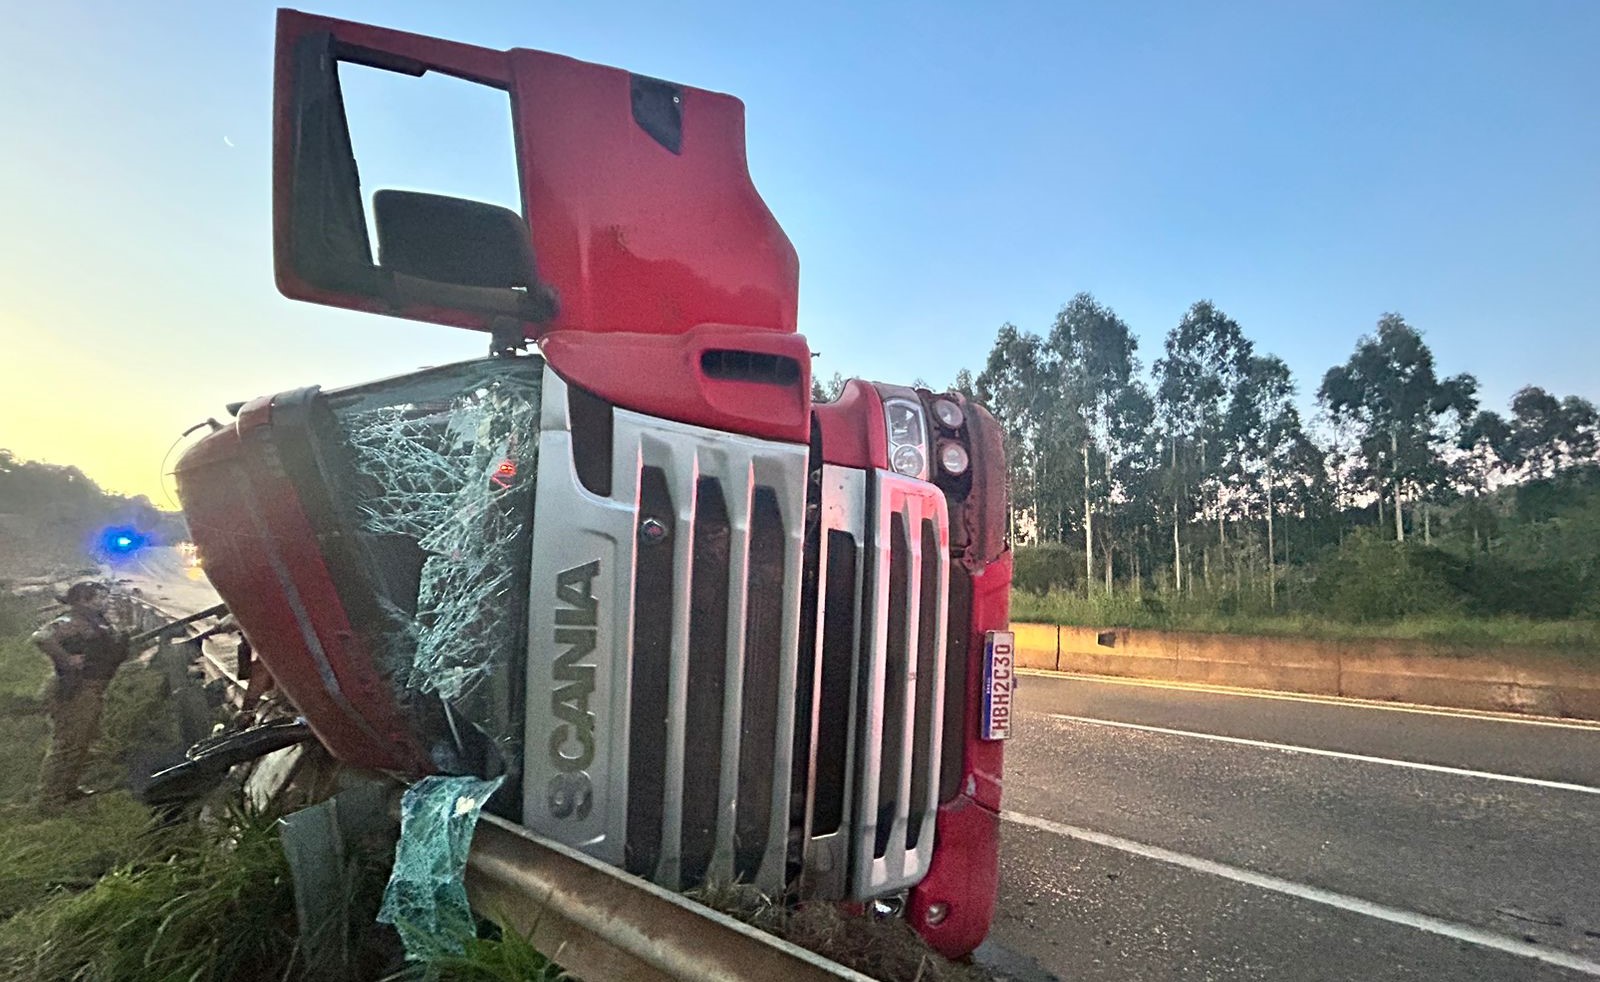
<point>908,461</point>
<point>953,458</point>
<point>908,436</point>
<point>949,414</point>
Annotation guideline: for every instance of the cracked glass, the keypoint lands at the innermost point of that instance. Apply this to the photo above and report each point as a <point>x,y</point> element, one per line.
<point>436,480</point>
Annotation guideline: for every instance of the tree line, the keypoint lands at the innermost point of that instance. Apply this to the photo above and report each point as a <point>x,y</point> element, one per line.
<point>1201,473</point>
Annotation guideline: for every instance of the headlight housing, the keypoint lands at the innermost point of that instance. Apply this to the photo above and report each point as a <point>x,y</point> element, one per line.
<point>906,425</point>
<point>949,414</point>
<point>953,458</point>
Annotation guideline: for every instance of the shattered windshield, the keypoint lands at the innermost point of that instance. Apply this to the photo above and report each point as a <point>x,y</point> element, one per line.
<point>437,481</point>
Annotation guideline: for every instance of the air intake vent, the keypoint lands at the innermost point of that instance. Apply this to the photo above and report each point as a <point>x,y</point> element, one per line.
<point>749,366</point>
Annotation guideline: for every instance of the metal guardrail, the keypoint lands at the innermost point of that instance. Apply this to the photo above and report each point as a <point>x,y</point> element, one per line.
<point>211,666</point>
<point>599,922</point>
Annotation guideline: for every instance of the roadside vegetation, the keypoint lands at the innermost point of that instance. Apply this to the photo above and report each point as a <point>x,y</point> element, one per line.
<point>1537,590</point>
<point>1195,496</point>
<point>1563,638</point>
<point>887,949</point>
<point>108,892</point>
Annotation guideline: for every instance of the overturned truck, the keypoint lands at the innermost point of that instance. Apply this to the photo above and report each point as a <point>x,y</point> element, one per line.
<point>706,629</point>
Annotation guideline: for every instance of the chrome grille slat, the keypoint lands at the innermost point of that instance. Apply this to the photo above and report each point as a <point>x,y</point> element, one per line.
<point>790,517</point>
<point>737,496</point>
<point>865,868</point>
<point>683,483</point>
<point>833,726</point>
<point>653,596</point>
<point>930,679</point>
<point>895,855</point>
<point>905,504</point>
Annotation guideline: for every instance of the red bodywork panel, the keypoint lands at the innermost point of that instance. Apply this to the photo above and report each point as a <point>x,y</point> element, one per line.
<point>260,552</point>
<point>853,428</point>
<point>964,876</point>
<point>631,236</point>
<point>666,376</point>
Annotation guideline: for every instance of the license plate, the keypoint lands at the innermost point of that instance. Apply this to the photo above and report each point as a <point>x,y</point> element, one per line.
<point>999,683</point>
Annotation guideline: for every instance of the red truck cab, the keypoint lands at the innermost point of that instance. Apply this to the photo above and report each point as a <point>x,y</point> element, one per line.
<point>706,629</point>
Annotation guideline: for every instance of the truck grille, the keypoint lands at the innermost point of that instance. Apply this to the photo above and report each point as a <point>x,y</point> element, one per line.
<point>880,683</point>
<point>666,741</point>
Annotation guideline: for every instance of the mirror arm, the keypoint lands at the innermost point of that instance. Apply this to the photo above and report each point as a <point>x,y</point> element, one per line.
<point>506,338</point>
<point>536,306</point>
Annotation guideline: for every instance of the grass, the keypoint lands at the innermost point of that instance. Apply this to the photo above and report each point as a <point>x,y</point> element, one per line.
<point>1056,607</point>
<point>23,731</point>
<point>23,671</point>
<point>47,856</point>
<point>97,893</point>
<point>500,957</point>
<point>16,614</point>
<point>196,907</point>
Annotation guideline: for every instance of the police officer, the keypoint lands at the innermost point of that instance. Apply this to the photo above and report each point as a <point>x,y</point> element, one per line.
<point>86,651</point>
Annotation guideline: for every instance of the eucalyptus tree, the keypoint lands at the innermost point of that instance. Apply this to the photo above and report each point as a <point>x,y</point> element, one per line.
<point>1548,435</point>
<point>1018,385</point>
<point>1205,358</point>
<point>1133,474</point>
<point>826,391</point>
<point>1389,389</point>
<point>1097,368</point>
<point>1264,430</point>
<point>1486,456</point>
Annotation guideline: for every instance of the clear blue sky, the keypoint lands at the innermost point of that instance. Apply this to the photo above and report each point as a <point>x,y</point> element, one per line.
<point>941,167</point>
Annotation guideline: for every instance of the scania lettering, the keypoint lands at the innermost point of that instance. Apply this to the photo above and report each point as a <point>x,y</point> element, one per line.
<point>574,677</point>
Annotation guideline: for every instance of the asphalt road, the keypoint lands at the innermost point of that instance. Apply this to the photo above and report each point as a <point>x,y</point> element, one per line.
<point>1174,833</point>
<point>163,578</point>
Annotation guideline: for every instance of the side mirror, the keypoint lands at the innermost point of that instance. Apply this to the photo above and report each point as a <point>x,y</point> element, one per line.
<point>452,240</point>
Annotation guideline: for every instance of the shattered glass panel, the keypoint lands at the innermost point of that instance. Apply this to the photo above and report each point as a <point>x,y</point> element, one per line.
<point>426,899</point>
<point>437,481</point>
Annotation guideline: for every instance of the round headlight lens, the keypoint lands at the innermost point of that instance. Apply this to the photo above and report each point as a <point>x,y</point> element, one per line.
<point>953,458</point>
<point>949,414</point>
<point>908,461</point>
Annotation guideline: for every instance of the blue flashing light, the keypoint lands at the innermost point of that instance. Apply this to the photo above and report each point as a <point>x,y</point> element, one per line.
<point>116,542</point>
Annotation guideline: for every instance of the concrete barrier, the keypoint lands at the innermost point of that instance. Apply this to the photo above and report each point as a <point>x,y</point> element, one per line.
<point>1506,679</point>
<point>1037,646</point>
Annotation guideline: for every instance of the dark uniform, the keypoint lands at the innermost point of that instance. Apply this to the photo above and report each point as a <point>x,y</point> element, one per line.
<point>86,651</point>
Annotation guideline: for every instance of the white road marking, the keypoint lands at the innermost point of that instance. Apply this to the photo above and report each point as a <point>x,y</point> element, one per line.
<point>1341,755</point>
<point>1524,719</point>
<point>1383,912</point>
